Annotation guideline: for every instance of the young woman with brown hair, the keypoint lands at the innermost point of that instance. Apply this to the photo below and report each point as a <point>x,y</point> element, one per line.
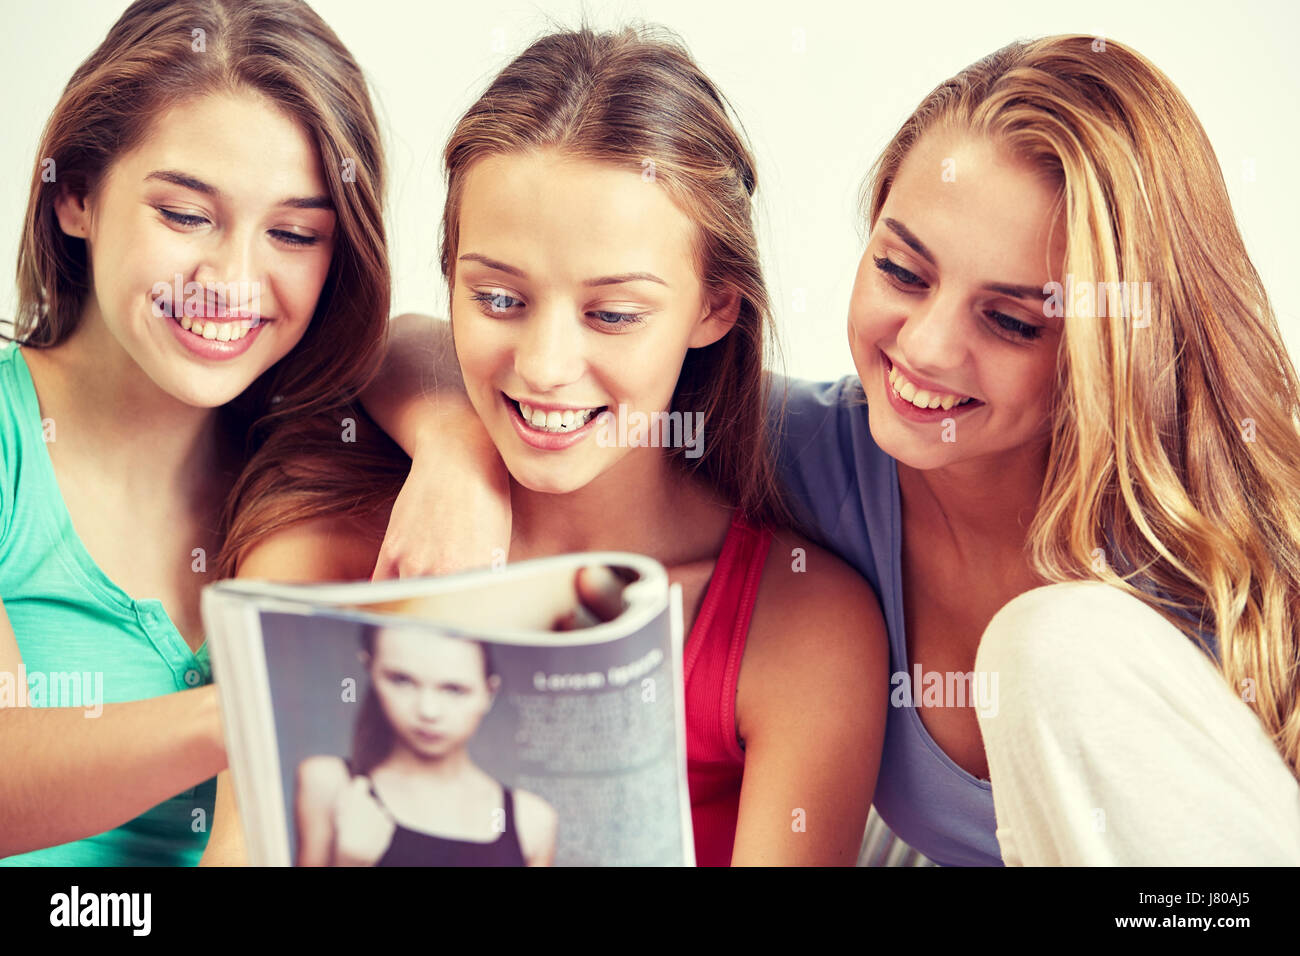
<point>1071,449</point>
<point>600,251</point>
<point>203,259</point>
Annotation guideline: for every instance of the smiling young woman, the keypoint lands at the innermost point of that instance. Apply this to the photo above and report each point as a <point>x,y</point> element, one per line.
<point>1097,508</point>
<point>201,148</point>
<point>600,251</point>
<point>1096,529</point>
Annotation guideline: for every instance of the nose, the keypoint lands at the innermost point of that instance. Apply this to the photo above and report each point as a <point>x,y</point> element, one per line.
<point>429,704</point>
<point>934,338</point>
<point>548,353</point>
<point>231,272</point>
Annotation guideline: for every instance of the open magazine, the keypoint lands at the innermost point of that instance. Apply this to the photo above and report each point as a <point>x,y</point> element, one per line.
<point>445,721</point>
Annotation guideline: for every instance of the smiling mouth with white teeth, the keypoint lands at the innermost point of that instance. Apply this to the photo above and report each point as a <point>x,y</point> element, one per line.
<point>555,422</point>
<point>920,397</point>
<point>220,331</point>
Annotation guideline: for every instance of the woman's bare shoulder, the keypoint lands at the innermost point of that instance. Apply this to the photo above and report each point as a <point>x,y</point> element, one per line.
<point>319,549</point>
<point>320,777</point>
<point>536,821</point>
<point>817,643</point>
<point>803,575</point>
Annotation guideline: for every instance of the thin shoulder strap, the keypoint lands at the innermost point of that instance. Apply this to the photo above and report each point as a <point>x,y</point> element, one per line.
<point>347,762</point>
<point>509,801</point>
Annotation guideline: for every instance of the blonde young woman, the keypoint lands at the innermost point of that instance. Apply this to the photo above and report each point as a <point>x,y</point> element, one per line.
<point>1094,516</point>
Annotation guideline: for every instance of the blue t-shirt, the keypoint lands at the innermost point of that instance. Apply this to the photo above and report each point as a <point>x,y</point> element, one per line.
<point>83,640</point>
<point>844,490</point>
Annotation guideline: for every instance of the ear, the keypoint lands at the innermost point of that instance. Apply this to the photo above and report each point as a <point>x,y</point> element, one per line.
<point>73,213</point>
<point>722,310</point>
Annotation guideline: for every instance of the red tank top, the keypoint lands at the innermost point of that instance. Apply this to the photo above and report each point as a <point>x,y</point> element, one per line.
<point>714,760</point>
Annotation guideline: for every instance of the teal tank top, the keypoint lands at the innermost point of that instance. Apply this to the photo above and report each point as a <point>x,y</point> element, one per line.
<point>82,638</point>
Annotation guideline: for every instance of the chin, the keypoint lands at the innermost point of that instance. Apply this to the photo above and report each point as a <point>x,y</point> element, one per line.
<point>423,748</point>
<point>909,448</point>
<point>547,481</point>
<point>924,462</point>
<point>547,472</point>
<point>211,395</point>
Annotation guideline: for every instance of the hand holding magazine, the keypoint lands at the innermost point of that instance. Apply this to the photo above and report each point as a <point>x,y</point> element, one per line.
<point>477,719</point>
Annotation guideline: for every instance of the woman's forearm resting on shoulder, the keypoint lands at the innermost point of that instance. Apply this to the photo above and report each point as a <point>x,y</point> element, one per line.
<point>453,512</point>
<point>419,387</point>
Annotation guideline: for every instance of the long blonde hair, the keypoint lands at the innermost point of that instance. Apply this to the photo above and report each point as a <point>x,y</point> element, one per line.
<point>1174,471</point>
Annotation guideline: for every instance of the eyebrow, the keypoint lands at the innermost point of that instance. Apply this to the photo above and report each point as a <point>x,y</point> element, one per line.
<point>1002,288</point>
<point>599,281</point>
<point>910,238</point>
<point>1018,291</point>
<point>186,181</point>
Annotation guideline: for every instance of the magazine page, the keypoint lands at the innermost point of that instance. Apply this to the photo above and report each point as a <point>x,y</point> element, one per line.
<point>403,741</point>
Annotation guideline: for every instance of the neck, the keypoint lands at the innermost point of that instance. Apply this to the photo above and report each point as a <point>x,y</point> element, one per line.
<point>626,508</point>
<point>982,505</point>
<point>442,768</point>
<point>120,416</point>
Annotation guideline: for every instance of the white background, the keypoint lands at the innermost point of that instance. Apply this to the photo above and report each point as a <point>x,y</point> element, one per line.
<point>819,86</point>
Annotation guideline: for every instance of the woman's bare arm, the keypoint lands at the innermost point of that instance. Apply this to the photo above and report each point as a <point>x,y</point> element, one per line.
<point>453,512</point>
<point>324,549</point>
<point>811,708</point>
<point>537,823</point>
<point>77,775</point>
<point>319,780</point>
<point>226,841</point>
<point>419,380</point>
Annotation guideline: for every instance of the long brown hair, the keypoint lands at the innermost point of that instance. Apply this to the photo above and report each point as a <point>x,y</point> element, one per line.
<point>1176,442</point>
<point>636,99</point>
<point>620,98</point>
<point>161,53</point>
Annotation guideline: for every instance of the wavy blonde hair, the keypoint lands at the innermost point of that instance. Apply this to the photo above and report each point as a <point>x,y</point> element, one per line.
<point>1175,445</point>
